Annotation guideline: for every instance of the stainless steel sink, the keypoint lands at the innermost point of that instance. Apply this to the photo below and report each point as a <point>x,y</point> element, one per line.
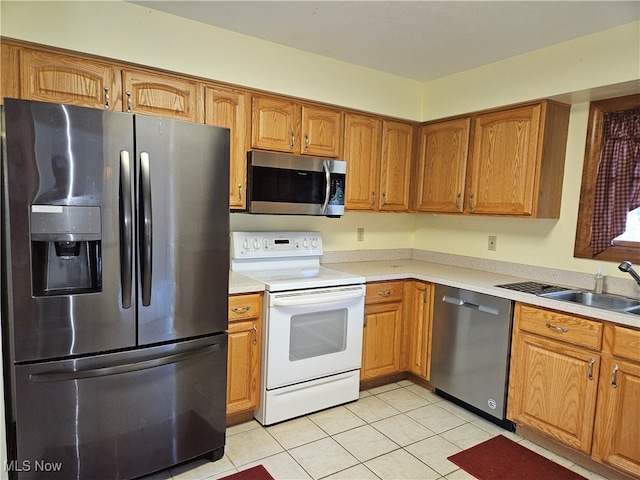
<point>606,301</point>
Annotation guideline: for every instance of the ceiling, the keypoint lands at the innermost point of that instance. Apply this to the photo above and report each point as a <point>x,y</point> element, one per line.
<point>419,40</point>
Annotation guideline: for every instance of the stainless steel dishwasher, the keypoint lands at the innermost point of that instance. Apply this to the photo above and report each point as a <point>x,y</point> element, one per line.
<point>470,350</point>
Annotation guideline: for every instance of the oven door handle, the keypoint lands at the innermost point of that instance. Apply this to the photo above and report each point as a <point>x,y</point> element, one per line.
<point>314,298</point>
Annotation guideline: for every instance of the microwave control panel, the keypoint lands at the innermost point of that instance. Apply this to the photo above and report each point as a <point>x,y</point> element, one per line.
<point>275,244</point>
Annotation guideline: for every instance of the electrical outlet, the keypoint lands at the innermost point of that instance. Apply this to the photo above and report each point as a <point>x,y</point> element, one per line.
<point>361,234</point>
<point>492,242</point>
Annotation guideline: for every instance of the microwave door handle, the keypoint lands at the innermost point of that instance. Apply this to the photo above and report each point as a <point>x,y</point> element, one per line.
<point>327,174</point>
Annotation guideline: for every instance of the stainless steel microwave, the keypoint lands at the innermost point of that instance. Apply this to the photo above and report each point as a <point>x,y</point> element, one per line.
<point>295,185</point>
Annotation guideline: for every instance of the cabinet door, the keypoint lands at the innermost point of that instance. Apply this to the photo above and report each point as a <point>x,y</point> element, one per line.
<point>382,340</point>
<point>418,339</point>
<point>162,95</point>
<point>504,160</point>
<point>442,166</point>
<point>243,359</point>
<point>275,124</point>
<point>395,167</point>
<point>227,107</point>
<point>362,151</point>
<point>243,366</point>
<point>616,438</point>
<point>51,77</point>
<point>321,131</point>
<point>553,389</point>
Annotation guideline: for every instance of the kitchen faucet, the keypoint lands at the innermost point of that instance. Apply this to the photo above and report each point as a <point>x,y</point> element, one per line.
<point>627,267</point>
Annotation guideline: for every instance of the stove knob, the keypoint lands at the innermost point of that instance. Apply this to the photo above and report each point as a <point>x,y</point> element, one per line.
<point>305,243</point>
<point>256,244</point>
<point>314,243</point>
<point>245,244</point>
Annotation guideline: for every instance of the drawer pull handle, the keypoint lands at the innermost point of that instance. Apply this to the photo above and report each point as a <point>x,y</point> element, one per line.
<point>241,309</point>
<point>559,329</point>
<point>384,294</point>
<point>613,376</point>
<point>592,361</point>
<point>255,334</point>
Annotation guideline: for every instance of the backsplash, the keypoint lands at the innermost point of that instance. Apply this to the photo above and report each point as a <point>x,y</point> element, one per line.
<point>619,286</point>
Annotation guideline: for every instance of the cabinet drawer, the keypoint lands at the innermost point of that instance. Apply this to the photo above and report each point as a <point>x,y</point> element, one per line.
<point>384,292</point>
<point>244,306</point>
<point>559,326</point>
<point>625,343</point>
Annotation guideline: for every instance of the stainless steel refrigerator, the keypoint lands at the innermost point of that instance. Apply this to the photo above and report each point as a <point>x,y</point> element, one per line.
<point>115,281</point>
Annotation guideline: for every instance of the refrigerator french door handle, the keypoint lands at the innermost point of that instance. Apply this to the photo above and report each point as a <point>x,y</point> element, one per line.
<point>121,368</point>
<point>327,193</point>
<point>146,230</point>
<point>126,230</point>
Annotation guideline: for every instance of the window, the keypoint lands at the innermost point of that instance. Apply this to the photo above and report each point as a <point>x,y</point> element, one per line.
<point>627,245</point>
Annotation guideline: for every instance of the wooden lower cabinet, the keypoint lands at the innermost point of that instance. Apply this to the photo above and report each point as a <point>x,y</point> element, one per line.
<point>382,340</point>
<point>419,300</point>
<point>243,360</point>
<point>552,390</point>
<point>616,440</point>
<point>578,382</point>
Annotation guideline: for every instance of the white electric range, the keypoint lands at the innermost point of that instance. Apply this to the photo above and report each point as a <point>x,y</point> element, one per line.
<point>313,320</point>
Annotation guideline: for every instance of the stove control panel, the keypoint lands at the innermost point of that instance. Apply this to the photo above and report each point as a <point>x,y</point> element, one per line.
<point>275,244</point>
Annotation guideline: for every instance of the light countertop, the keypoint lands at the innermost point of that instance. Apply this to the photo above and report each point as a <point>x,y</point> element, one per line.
<point>468,278</point>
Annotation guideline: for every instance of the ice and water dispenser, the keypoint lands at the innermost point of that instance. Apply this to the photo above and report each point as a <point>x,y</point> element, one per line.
<point>66,249</point>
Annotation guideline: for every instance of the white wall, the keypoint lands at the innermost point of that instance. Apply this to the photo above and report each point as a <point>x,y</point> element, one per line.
<point>125,31</point>
<point>585,68</point>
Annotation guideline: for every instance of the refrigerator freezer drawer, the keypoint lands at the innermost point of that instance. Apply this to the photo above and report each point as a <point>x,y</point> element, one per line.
<point>121,415</point>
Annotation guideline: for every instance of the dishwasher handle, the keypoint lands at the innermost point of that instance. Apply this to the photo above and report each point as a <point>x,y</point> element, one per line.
<point>475,306</point>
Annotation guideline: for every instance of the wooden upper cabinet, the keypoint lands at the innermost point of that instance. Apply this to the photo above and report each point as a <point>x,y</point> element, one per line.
<point>274,124</point>
<point>513,165</point>
<point>517,161</point>
<point>395,167</point>
<point>503,166</point>
<point>58,78</point>
<point>378,155</point>
<point>162,95</point>
<point>321,131</point>
<point>362,152</point>
<point>284,125</point>
<point>229,108</point>
<point>442,166</point>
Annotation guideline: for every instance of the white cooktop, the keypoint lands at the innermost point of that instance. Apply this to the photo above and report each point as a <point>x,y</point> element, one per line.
<point>285,260</point>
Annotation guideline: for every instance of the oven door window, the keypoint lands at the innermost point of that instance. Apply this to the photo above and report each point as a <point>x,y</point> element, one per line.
<point>317,334</point>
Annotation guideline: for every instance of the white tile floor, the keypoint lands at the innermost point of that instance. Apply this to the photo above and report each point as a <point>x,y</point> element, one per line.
<point>398,431</point>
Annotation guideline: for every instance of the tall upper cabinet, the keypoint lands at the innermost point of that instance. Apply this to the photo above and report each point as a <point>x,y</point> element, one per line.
<point>230,108</point>
<point>284,125</point>
<point>442,168</point>
<point>508,161</point>
<point>378,153</point>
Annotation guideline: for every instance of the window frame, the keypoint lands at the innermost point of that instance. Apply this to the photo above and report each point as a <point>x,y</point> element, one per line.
<point>595,131</point>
